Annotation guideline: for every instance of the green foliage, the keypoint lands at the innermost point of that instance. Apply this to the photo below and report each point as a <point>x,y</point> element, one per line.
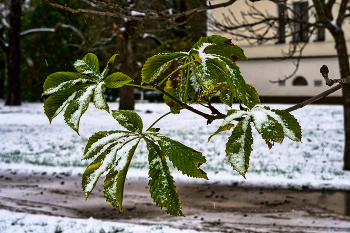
<point>273,125</point>
<point>77,89</point>
<point>208,69</point>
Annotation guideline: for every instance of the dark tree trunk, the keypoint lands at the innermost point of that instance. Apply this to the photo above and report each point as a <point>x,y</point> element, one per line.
<point>14,55</point>
<point>343,61</point>
<point>127,97</point>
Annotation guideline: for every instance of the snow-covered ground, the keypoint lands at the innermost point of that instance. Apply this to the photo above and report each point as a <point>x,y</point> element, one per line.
<point>29,142</point>
<point>22,223</point>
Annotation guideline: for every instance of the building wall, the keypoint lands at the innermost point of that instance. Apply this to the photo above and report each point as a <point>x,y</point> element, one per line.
<point>262,65</point>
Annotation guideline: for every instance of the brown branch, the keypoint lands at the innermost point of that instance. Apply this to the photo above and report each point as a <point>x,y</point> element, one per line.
<point>324,71</point>
<point>315,98</point>
<point>149,14</point>
<point>210,118</point>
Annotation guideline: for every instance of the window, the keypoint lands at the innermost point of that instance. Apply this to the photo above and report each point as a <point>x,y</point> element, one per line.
<point>318,82</point>
<point>281,83</point>
<point>301,15</point>
<point>299,81</point>
<point>281,27</point>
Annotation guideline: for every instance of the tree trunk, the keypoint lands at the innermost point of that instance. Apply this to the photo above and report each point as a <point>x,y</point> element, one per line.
<point>343,61</point>
<point>14,55</point>
<point>127,97</point>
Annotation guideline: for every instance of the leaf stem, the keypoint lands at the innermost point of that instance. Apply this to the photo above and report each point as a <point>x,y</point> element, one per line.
<point>206,116</point>
<point>158,120</point>
<point>135,85</point>
<point>174,72</point>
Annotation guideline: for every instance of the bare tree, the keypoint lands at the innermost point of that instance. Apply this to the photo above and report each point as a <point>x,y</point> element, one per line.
<point>142,17</point>
<point>257,27</point>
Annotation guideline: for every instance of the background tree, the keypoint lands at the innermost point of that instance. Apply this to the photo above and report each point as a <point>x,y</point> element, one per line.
<point>34,22</point>
<point>260,27</point>
<point>147,19</point>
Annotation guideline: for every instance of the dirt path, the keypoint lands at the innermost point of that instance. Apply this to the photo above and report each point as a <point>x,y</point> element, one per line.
<point>207,207</point>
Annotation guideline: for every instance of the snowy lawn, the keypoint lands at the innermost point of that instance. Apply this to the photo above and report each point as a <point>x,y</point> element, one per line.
<point>29,142</point>
<point>22,223</point>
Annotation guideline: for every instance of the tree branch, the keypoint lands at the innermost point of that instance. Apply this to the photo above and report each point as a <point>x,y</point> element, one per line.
<point>324,71</point>
<point>148,14</point>
<point>210,118</point>
<point>58,25</point>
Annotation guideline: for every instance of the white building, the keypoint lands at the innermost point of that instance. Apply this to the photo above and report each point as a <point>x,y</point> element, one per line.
<point>265,62</point>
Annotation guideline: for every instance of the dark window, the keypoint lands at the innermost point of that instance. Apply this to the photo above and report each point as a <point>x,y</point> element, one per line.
<point>281,23</point>
<point>282,83</point>
<point>299,81</point>
<point>301,16</point>
<point>318,83</point>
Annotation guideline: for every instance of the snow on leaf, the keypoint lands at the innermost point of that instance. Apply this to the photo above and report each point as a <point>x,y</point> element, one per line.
<point>129,120</point>
<point>226,96</point>
<point>55,103</point>
<point>61,81</point>
<point>290,125</point>
<point>99,97</point>
<point>232,115</point>
<point>97,141</point>
<point>77,108</point>
<point>100,165</point>
<point>89,65</point>
<point>162,188</point>
<point>157,64</point>
<point>239,146</point>
<point>115,179</point>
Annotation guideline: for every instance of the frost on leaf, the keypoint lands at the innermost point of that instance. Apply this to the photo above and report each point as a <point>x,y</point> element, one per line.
<point>99,97</point>
<point>101,164</point>
<point>157,64</point>
<point>97,141</point>
<point>77,108</point>
<point>55,103</point>
<point>162,188</point>
<point>239,146</point>
<point>89,66</point>
<point>115,179</point>
<point>61,81</point>
<point>129,120</point>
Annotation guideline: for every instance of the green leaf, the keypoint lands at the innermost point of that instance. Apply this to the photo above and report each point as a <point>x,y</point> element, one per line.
<point>117,80</point>
<point>239,146</point>
<point>61,81</point>
<point>89,65</point>
<point>100,165</point>
<point>77,108</point>
<point>270,130</point>
<point>129,120</point>
<point>252,96</point>
<point>97,141</point>
<point>174,106</point>
<point>162,188</point>
<point>221,129</point>
<point>184,158</point>
<point>210,74</point>
<point>291,127</point>
<point>226,96</point>
<point>157,64</point>
<point>109,63</point>
<point>55,103</point>
<point>99,97</point>
<point>115,179</point>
